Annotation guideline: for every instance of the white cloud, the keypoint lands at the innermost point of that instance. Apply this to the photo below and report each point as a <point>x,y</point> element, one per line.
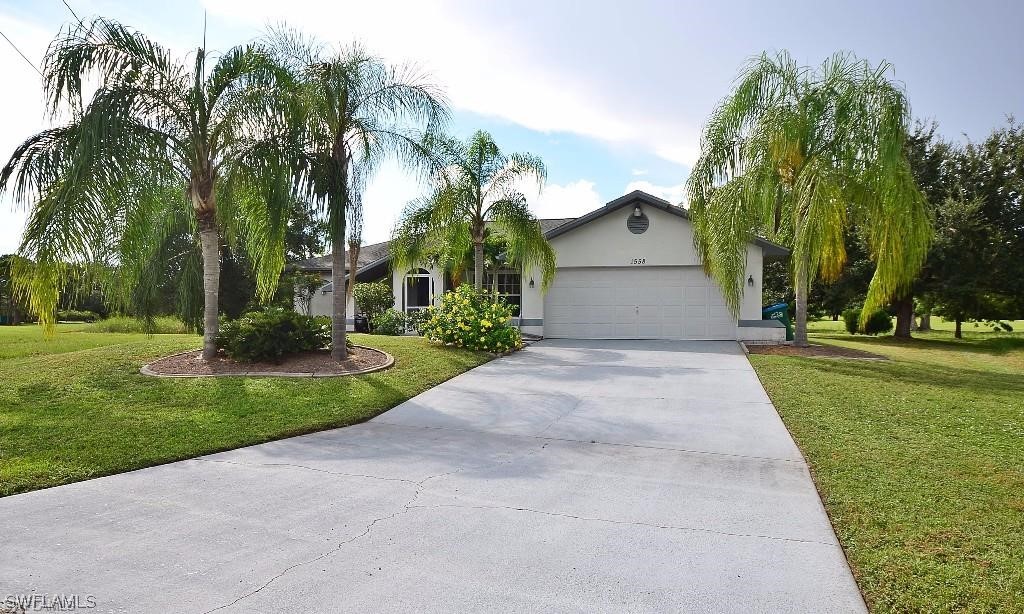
<point>637,172</point>
<point>384,199</point>
<point>485,67</point>
<point>570,200</point>
<point>672,193</point>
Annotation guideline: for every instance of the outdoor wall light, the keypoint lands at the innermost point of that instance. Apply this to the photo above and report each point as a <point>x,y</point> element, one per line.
<point>637,212</point>
<point>531,282</point>
<point>750,281</point>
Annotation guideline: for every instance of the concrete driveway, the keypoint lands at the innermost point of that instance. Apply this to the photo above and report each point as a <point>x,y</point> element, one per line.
<point>572,476</point>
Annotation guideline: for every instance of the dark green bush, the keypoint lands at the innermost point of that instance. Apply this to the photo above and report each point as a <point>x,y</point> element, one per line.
<point>388,322</point>
<point>879,322</point>
<point>76,315</point>
<point>373,299</point>
<point>272,333</point>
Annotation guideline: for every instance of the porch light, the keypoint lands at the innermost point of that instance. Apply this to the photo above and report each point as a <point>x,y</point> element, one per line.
<point>750,281</point>
<point>531,282</point>
<point>637,212</point>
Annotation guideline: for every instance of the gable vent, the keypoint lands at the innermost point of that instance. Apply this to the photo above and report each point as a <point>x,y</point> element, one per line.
<point>637,225</point>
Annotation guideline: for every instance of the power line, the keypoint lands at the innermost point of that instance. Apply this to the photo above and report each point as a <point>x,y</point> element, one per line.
<point>23,56</point>
<point>77,18</point>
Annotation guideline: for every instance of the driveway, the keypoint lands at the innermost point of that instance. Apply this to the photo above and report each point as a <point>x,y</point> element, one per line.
<point>571,476</point>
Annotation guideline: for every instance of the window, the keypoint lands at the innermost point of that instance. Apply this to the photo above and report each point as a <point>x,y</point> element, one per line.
<point>509,285</point>
<point>417,290</point>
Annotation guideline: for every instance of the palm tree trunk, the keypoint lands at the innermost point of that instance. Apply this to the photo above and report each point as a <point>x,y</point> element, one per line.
<point>478,264</point>
<point>339,328</point>
<point>802,292</point>
<point>210,245</point>
<point>339,198</point>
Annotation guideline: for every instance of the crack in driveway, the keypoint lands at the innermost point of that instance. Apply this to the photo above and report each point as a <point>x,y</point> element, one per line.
<point>407,507</point>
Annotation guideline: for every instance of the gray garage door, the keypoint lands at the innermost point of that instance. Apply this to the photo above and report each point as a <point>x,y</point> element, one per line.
<point>636,303</point>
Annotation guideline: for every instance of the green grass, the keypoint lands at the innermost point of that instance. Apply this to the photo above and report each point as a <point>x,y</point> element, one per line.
<point>164,325</point>
<point>75,406</point>
<point>920,462</point>
<point>938,324</point>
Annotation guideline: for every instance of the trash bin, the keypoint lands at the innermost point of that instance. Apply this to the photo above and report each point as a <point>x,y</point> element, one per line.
<point>362,324</point>
<point>780,312</point>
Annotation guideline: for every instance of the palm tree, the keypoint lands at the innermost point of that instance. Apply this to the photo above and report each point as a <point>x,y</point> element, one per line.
<point>478,192</point>
<point>357,112</point>
<point>162,145</point>
<point>800,155</point>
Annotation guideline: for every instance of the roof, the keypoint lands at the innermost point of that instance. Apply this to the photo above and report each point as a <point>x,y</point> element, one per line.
<point>640,197</point>
<point>368,254</point>
<point>373,254</point>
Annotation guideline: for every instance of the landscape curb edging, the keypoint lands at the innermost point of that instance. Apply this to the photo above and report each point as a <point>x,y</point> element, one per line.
<point>145,370</point>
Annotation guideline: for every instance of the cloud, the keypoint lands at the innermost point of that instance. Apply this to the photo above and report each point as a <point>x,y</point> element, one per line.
<point>637,172</point>
<point>572,199</point>
<point>672,193</point>
<point>486,66</point>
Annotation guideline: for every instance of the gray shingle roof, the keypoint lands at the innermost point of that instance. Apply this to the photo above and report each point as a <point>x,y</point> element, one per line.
<point>368,254</point>
<point>372,253</point>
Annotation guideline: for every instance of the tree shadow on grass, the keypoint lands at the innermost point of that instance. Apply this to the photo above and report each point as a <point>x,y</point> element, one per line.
<point>993,344</point>
<point>922,373</point>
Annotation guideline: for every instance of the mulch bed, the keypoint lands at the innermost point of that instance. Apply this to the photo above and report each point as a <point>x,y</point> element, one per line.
<point>813,351</point>
<point>306,364</point>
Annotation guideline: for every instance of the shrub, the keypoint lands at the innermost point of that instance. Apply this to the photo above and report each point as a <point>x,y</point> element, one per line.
<point>416,320</point>
<point>75,315</point>
<point>161,325</point>
<point>388,322</point>
<point>373,298</point>
<point>879,322</point>
<point>477,320</point>
<point>272,333</point>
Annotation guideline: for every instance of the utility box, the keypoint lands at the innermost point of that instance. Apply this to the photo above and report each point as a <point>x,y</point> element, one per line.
<point>780,312</point>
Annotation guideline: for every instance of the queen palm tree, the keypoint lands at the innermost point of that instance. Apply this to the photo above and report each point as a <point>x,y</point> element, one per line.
<point>161,146</point>
<point>801,154</point>
<point>479,192</point>
<point>357,112</point>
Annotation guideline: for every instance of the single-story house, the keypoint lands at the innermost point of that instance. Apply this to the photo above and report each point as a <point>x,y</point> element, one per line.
<point>625,271</point>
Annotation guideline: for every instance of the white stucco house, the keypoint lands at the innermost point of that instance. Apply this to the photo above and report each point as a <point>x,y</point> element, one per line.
<point>625,271</point>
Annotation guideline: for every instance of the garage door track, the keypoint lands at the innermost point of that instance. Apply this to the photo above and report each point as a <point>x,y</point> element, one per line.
<point>572,476</point>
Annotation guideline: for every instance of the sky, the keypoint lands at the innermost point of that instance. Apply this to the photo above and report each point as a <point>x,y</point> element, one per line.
<point>612,95</point>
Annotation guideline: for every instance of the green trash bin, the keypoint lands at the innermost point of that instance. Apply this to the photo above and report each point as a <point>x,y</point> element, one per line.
<point>780,312</point>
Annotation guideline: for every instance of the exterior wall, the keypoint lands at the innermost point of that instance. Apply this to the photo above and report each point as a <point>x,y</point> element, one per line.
<point>750,305</point>
<point>436,276</point>
<point>532,308</point>
<point>773,334</point>
<point>606,242</point>
<point>323,303</point>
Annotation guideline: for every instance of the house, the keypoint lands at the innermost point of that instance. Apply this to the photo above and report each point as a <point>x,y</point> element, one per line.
<point>625,271</point>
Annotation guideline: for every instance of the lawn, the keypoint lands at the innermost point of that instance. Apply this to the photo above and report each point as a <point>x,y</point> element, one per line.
<point>920,462</point>
<point>76,407</point>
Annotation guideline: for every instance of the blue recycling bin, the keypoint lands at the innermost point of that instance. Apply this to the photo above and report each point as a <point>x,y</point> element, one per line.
<point>780,312</point>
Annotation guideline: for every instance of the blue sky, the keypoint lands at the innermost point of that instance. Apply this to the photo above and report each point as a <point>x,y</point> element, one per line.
<point>612,95</point>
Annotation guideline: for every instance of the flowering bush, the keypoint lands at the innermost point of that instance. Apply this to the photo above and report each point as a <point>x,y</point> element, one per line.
<point>388,322</point>
<point>472,319</point>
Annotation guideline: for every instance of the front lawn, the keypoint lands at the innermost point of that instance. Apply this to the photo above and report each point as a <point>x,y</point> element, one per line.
<point>76,407</point>
<point>920,462</point>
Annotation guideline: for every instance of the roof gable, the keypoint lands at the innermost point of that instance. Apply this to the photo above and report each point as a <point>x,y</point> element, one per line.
<point>639,197</point>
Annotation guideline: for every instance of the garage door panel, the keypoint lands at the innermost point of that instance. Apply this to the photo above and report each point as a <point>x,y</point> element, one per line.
<point>631,302</point>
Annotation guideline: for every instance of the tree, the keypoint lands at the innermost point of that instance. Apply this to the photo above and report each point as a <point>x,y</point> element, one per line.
<point>478,193</point>
<point>801,154</point>
<point>929,157</point>
<point>12,308</point>
<point>356,112</point>
<point>162,145</point>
